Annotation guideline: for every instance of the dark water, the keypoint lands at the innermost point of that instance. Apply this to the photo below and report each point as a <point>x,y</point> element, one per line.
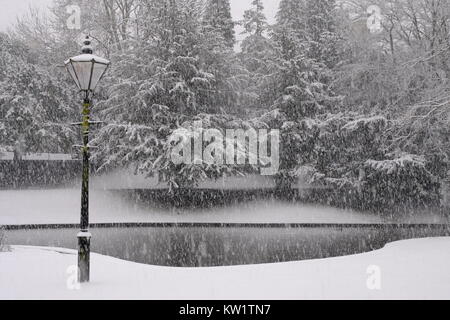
<point>216,246</point>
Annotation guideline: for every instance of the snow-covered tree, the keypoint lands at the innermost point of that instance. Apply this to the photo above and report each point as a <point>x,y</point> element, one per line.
<point>257,52</point>
<point>402,182</point>
<point>402,72</point>
<point>35,106</point>
<point>321,31</point>
<point>217,17</point>
<point>159,83</point>
<point>349,155</point>
<point>255,21</point>
<point>301,76</point>
<point>303,33</point>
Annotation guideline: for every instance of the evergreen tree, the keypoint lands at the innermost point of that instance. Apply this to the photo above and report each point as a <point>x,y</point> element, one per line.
<point>321,31</point>
<point>255,22</point>
<point>256,48</point>
<point>256,54</point>
<point>291,15</point>
<point>300,73</point>
<point>302,78</point>
<point>159,85</point>
<point>217,17</point>
<point>218,58</point>
<point>35,107</point>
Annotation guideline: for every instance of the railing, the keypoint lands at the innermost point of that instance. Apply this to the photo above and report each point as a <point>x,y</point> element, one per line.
<point>230,225</point>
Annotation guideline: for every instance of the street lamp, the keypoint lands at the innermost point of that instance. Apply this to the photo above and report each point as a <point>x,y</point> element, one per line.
<point>86,70</point>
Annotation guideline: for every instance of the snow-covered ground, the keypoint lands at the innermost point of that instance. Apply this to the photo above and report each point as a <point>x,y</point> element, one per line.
<point>411,269</point>
<point>62,206</point>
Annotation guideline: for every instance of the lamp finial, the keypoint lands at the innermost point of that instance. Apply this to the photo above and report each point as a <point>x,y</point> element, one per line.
<point>87,47</point>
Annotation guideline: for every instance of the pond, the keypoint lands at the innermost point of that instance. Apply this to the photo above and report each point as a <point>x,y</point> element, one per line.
<point>216,245</point>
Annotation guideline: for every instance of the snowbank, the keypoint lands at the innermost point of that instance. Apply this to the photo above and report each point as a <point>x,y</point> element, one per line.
<point>63,206</point>
<point>412,269</point>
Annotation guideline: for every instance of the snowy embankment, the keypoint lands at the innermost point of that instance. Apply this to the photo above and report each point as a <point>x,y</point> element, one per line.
<point>411,269</point>
<point>60,206</point>
<point>55,206</point>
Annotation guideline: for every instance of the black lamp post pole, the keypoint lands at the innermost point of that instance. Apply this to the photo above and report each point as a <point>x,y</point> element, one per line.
<point>84,237</point>
<point>86,70</point>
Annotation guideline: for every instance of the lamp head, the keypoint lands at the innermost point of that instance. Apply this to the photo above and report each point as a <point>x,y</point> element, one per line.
<point>87,69</point>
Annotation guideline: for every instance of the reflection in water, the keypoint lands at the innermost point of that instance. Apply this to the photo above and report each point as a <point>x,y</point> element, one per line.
<point>208,246</point>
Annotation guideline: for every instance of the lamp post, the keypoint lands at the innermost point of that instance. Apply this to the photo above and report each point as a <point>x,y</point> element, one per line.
<point>86,70</point>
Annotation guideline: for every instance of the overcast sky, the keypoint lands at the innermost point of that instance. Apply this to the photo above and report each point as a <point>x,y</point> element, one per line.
<point>11,9</point>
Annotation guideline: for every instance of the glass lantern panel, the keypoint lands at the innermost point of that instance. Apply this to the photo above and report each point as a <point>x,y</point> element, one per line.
<point>72,74</point>
<point>83,72</point>
<point>99,70</point>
